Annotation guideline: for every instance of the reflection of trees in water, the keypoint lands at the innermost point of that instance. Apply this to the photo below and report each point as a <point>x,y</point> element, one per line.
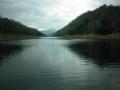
<point>101,52</point>
<point>8,49</point>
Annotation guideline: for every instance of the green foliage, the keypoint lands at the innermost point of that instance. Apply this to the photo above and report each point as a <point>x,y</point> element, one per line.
<point>103,20</point>
<point>13,27</point>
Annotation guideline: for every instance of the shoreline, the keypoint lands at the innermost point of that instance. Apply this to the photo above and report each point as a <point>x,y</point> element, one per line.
<point>93,36</point>
<point>10,37</point>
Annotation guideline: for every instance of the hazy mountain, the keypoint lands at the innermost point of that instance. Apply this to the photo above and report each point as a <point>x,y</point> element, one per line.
<point>103,21</point>
<point>49,32</point>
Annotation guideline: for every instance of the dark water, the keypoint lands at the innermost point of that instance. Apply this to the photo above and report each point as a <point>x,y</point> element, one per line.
<point>59,64</point>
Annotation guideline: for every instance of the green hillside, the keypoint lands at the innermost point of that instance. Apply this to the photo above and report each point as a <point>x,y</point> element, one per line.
<point>104,20</point>
<point>11,27</point>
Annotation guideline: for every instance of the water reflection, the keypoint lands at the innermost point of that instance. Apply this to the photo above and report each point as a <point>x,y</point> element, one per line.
<point>7,49</point>
<point>101,52</point>
<point>47,64</point>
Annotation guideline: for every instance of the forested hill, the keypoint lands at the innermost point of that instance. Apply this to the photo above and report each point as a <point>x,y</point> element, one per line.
<point>8,26</point>
<point>103,21</point>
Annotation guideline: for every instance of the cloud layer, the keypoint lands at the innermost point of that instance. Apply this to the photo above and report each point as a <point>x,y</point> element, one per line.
<point>48,14</point>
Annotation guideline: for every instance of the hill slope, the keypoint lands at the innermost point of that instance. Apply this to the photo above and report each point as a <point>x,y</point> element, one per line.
<point>102,21</point>
<point>11,27</point>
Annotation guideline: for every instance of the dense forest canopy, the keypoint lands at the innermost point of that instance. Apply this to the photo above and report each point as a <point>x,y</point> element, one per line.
<point>103,21</point>
<point>13,27</point>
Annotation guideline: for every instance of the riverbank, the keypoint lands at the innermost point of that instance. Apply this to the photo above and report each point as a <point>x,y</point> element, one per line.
<point>8,37</point>
<point>94,36</point>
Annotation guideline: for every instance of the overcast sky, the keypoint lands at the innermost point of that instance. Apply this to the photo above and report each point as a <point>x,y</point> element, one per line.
<point>48,14</point>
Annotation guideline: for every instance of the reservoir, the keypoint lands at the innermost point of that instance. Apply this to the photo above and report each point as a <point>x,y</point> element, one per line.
<point>60,64</point>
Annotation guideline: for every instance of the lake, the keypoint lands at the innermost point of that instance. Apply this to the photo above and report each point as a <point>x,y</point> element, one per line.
<point>60,64</point>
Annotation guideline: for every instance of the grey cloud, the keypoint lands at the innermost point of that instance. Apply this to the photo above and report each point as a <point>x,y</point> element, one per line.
<point>39,13</point>
<point>29,12</point>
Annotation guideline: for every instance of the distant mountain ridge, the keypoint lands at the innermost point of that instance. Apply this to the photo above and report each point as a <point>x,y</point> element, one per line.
<point>49,32</point>
<point>102,21</point>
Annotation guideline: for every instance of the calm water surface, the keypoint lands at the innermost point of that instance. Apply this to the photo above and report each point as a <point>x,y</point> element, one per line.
<point>60,64</point>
